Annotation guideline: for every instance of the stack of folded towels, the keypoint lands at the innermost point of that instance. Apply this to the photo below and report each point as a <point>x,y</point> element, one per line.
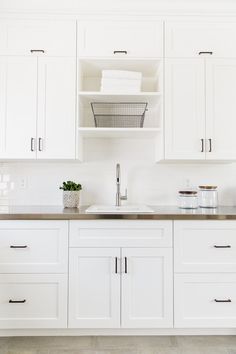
<point>121,81</point>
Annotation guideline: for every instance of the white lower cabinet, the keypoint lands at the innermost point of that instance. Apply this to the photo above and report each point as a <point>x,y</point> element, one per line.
<point>33,301</point>
<point>147,294</point>
<point>94,288</point>
<point>205,300</point>
<point>33,274</point>
<point>127,287</point>
<point>205,274</point>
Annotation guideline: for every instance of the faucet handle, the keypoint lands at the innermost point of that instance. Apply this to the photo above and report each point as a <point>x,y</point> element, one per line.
<point>124,197</point>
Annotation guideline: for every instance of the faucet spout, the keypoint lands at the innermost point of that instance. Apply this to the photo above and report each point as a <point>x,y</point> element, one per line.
<point>119,197</point>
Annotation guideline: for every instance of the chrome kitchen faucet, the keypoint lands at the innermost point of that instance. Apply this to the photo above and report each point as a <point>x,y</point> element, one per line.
<point>119,197</point>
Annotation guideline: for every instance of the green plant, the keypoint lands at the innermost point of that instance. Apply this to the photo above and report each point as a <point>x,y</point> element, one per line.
<point>71,186</point>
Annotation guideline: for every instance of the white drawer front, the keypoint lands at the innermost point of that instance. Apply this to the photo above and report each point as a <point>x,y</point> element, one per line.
<point>33,246</point>
<point>205,246</point>
<point>43,37</point>
<point>33,301</point>
<point>193,39</point>
<point>120,39</point>
<point>121,233</point>
<point>205,300</point>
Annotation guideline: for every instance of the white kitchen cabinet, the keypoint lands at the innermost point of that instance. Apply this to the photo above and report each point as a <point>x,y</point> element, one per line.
<point>220,109</point>
<point>203,38</point>
<point>38,112</point>
<point>205,246</point>
<point>56,108</point>
<point>37,37</point>
<point>18,112</point>
<point>200,109</point>
<point>205,300</point>
<point>147,288</point>
<point>120,39</point>
<point>30,246</point>
<point>128,288</point>
<point>184,109</point>
<point>127,264</point>
<point>33,301</point>
<point>94,288</point>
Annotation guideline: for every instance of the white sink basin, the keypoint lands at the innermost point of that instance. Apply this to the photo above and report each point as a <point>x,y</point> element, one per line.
<point>112,209</point>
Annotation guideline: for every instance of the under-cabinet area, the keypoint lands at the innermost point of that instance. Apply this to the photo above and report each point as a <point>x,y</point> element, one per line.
<point>121,274</point>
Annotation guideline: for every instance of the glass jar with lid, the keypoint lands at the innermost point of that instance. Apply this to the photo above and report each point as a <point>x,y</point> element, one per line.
<point>188,199</point>
<point>208,196</point>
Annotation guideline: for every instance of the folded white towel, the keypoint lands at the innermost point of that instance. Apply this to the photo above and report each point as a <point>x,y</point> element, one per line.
<point>121,74</point>
<point>120,82</point>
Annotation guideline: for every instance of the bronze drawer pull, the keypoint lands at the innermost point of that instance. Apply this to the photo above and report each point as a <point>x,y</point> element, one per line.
<point>17,301</point>
<point>228,300</point>
<point>18,246</point>
<point>226,246</point>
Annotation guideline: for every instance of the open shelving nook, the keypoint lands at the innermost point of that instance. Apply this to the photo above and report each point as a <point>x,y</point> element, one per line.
<point>89,80</point>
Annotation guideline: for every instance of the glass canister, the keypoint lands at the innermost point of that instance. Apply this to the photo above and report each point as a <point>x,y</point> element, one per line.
<point>208,196</point>
<point>188,199</point>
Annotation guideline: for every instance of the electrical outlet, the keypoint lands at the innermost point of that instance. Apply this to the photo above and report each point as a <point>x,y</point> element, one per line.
<point>23,183</point>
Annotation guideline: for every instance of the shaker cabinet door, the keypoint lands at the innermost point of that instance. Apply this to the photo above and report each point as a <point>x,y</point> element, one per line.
<point>94,288</point>
<point>185,109</point>
<point>200,39</point>
<point>18,112</point>
<point>221,109</point>
<point>120,39</point>
<point>147,298</point>
<point>56,108</point>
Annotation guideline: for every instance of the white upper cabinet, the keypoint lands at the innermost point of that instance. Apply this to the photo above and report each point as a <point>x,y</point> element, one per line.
<point>120,39</point>
<point>184,109</point>
<point>56,108</point>
<point>37,37</point>
<point>18,112</point>
<point>220,109</point>
<point>194,39</point>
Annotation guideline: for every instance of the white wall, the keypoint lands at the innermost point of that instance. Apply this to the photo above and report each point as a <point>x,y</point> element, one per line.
<point>147,181</point>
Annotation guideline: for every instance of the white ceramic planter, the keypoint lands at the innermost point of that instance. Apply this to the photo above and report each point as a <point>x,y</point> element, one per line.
<point>71,199</point>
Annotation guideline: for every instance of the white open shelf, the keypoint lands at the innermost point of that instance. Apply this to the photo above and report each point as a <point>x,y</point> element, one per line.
<point>98,96</point>
<point>132,133</point>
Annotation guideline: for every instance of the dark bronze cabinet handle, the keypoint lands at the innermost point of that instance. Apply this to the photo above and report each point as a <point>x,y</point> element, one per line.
<point>17,301</point>
<point>126,265</point>
<point>219,246</point>
<point>40,144</point>
<point>32,146</point>
<point>18,246</point>
<point>37,51</point>
<point>202,142</point>
<point>120,52</point>
<point>210,145</point>
<point>200,53</point>
<point>228,300</point>
<point>116,265</point>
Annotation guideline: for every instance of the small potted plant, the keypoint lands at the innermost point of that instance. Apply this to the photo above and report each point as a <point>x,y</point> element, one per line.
<point>71,194</point>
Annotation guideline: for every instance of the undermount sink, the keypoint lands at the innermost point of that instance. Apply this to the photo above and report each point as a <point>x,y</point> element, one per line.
<point>112,209</point>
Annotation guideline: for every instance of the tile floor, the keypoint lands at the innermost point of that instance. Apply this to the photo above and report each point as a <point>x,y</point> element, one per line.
<point>119,345</point>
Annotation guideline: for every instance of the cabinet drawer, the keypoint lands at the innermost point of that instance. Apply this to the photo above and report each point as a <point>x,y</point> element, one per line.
<point>188,39</point>
<point>122,233</point>
<point>205,246</point>
<point>33,301</point>
<point>120,39</point>
<point>21,36</point>
<point>205,300</point>
<point>33,246</point>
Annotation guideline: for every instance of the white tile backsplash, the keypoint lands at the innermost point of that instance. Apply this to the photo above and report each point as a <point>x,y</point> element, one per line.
<point>147,182</point>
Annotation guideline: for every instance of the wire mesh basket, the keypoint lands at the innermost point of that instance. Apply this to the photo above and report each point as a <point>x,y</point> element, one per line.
<point>119,114</point>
